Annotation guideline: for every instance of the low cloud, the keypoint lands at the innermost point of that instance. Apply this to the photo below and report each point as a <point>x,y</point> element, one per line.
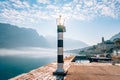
<point>28,52</point>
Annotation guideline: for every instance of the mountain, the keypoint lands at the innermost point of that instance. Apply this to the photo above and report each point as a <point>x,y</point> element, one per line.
<point>12,36</point>
<point>91,49</point>
<point>68,43</point>
<point>115,36</point>
<point>74,44</point>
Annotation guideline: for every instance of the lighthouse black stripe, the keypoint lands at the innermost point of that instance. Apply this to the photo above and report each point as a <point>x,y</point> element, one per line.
<point>60,43</point>
<point>60,59</point>
<point>60,28</point>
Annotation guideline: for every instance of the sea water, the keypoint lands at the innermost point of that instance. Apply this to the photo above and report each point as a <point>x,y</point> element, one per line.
<point>14,62</point>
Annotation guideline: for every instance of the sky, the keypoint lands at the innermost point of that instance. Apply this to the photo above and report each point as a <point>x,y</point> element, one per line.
<point>85,20</point>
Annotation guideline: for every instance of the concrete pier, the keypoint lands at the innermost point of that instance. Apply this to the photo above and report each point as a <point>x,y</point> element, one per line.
<point>93,71</point>
<point>75,71</point>
<point>45,72</point>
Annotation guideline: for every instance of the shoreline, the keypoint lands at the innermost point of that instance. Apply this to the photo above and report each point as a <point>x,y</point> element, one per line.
<point>44,71</point>
<point>75,71</point>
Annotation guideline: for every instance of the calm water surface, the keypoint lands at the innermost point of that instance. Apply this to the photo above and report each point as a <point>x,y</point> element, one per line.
<point>17,61</point>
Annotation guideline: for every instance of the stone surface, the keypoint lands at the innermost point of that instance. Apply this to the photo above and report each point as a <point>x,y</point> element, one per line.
<point>75,71</point>
<point>93,71</point>
<point>45,72</point>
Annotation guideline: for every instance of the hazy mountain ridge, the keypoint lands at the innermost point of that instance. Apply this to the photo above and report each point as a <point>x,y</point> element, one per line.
<point>13,36</point>
<point>68,43</point>
<point>115,36</point>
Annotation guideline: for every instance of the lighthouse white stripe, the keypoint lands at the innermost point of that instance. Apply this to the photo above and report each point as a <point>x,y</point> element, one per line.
<point>60,36</point>
<point>60,65</point>
<point>60,50</point>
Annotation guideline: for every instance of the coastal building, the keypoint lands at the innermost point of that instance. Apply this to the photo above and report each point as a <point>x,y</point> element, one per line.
<point>116,52</point>
<point>105,45</point>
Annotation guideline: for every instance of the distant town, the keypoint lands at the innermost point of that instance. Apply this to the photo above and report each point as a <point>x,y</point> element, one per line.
<point>107,48</point>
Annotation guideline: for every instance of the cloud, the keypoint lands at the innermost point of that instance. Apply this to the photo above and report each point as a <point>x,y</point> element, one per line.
<point>107,11</point>
<point>23,12</point>
<point>43,1</point>
<point>19,4</point>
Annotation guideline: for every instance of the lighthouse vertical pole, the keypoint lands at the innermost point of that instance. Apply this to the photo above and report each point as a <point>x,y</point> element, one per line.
<point>60,61</point>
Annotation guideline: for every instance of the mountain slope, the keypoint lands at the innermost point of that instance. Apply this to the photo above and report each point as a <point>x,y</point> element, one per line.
<point>68,43</point>
<point>115,36</point>
<point>13,36</point>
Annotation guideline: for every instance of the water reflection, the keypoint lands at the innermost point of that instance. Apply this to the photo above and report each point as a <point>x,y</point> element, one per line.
<point>82,61</point>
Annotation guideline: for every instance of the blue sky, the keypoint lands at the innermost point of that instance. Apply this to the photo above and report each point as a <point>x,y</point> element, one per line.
<point>85,20</point>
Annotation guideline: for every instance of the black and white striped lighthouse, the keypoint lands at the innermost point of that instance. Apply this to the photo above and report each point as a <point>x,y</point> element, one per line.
<point>60,62</point>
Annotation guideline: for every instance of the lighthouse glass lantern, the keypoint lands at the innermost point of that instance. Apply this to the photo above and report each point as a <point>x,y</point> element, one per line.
<point>60,24</point>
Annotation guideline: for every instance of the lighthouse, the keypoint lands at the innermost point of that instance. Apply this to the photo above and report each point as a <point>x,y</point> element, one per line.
<point>60,62</point>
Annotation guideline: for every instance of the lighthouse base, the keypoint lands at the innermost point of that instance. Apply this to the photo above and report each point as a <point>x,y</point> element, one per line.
<point>60,72</point>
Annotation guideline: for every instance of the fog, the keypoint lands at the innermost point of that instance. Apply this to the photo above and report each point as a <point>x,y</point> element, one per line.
<point>29,52</point>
